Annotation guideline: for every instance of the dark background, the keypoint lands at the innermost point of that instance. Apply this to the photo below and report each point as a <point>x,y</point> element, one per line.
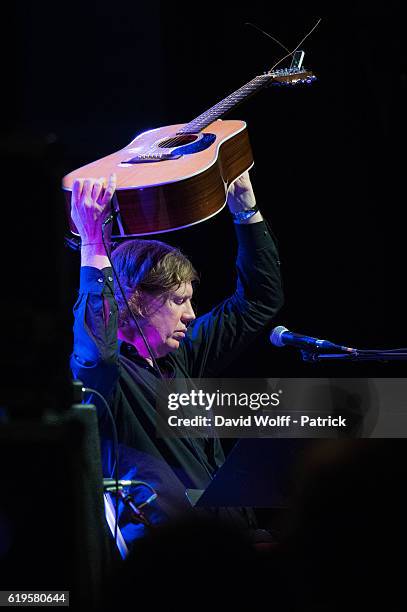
<point>82,81</point>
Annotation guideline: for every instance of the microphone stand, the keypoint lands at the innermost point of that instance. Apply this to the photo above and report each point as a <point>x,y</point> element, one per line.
<point>355,355</point>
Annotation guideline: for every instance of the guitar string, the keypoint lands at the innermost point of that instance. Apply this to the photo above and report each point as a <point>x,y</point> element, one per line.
<point>269,35</point>
<point>290,53</point>
<point>245,88</point>
<point>223,106</point>
<point>299,44</point>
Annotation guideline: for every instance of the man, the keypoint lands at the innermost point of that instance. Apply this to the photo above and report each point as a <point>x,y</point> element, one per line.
<point>111,356</point>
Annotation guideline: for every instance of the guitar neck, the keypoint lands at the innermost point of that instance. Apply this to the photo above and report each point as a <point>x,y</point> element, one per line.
<point>225,105</point>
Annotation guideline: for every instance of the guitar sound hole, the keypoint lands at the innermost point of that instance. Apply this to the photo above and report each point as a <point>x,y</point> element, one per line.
<point>177,141</point>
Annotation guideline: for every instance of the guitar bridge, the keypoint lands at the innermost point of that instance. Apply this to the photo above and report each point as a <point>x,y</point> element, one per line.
<point>151,157</point>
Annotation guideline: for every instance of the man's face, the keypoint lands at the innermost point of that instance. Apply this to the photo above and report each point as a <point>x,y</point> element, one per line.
<point>166,323</point>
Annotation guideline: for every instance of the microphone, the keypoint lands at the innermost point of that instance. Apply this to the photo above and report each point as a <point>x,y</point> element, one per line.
<point>280,336</point>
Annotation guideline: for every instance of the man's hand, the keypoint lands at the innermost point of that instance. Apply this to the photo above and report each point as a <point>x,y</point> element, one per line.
<point>241,197</point>
<point>90,207</point>
<point>240,194</point>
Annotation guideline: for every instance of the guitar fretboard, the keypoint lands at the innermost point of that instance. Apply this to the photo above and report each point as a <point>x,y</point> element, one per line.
<point>225,105</point>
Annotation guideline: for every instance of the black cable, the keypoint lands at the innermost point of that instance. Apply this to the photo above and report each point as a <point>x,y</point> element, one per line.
<point>128,500</point>
<point>123,482</point>
<point>115,469</point>
<point>109,220</point>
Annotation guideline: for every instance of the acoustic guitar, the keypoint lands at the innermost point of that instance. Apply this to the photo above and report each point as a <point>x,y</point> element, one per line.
<point>176,176</point>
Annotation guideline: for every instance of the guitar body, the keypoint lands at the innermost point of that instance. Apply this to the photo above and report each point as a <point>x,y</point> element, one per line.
<point>168,181</point>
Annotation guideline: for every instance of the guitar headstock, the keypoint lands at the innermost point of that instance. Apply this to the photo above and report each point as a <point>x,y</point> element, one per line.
<point>291,76</point>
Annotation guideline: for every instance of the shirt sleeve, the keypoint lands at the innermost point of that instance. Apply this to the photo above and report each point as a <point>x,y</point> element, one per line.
<point>95,360</point>
<point>217,338</point>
